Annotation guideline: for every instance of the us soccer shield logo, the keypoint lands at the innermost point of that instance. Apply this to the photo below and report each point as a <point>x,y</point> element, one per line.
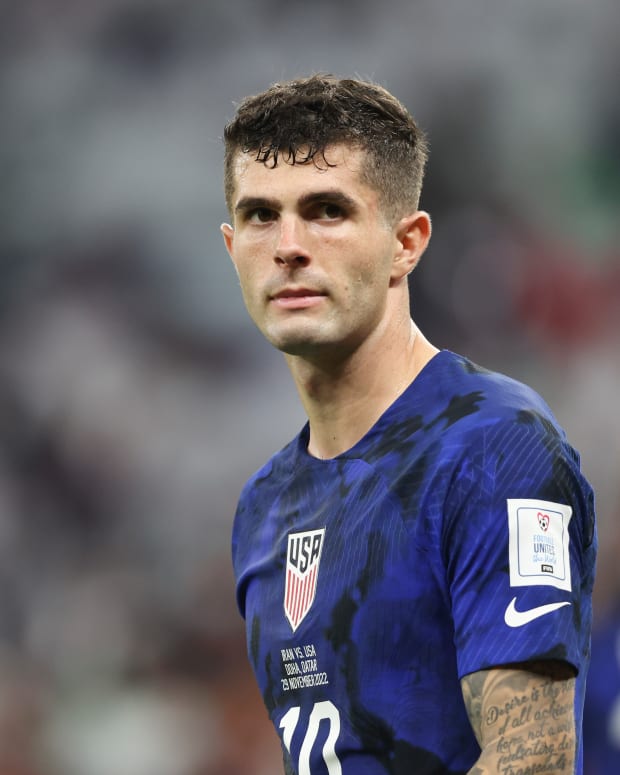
<point>303,556</point>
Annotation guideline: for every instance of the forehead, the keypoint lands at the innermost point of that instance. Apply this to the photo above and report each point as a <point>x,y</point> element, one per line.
<point>341,168</point>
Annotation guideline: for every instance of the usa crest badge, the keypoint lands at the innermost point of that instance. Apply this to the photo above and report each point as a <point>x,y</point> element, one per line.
<point>303,556</point>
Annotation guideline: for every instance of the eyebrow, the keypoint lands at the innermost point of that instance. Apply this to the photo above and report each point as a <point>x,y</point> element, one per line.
<point>255,202</point>
<point>333,196</point>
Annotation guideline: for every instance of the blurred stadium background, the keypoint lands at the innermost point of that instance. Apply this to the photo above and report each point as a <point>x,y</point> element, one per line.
<point>135,395</point>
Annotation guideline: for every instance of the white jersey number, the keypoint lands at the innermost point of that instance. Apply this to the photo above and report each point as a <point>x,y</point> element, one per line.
<point>321,711</point>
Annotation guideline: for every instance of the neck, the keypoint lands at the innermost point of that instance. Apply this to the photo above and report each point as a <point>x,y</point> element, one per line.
<point>344,399</point>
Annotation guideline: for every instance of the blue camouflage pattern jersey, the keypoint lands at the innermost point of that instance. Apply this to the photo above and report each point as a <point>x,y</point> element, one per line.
<point>372,582</point>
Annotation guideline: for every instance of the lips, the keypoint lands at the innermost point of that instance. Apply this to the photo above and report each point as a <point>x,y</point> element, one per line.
<point>295,298</point>
<point>295,293</point>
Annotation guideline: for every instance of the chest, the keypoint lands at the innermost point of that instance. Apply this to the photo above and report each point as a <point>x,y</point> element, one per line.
<point>338,593</point>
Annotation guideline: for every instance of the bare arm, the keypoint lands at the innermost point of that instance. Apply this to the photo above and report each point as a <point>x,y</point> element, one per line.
<point>523,718</point>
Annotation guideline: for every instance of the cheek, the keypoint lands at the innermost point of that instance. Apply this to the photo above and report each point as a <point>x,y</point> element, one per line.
<point>371,284</point>
<point>247,281</point>
<point>250,256</point>
<point>373,272</point>
<point>363,292</point>
<point>249,290</point>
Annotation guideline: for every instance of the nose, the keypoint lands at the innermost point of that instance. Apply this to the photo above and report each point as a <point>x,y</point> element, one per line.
<point>290,249</point>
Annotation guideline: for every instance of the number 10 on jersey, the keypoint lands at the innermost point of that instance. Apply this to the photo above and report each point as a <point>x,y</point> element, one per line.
<point>321,711</point>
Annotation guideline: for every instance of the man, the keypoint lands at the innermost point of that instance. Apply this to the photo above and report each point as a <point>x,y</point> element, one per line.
<point>415,568</point>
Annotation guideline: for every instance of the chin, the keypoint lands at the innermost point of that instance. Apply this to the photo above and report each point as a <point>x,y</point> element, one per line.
<point>302,347</point>
<point>302,341</point>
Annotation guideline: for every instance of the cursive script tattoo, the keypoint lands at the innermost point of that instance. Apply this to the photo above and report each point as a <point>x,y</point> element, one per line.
<point>523,718</point>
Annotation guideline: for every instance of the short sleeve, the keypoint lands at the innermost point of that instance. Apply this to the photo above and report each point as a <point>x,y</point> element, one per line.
<point>519,546</point>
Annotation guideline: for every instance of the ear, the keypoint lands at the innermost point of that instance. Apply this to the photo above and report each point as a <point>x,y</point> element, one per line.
<point>229,235</point>
<point>413,233</point>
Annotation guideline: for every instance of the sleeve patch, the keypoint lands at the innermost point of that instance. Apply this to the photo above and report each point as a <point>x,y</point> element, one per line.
<point>538,543</point>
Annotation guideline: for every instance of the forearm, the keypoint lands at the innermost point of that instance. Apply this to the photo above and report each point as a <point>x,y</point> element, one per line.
<point>524,719</point>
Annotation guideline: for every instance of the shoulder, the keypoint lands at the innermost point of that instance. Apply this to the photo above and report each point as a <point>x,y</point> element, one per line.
<point>496,438</point>
<point>260,496</point>
<point>501,425</point>
<point>274,472</point>
<point>492,391</point>
<point>455,405</point>
<point>472,403</point>
<point>459,417</point>
<point>512,448</point>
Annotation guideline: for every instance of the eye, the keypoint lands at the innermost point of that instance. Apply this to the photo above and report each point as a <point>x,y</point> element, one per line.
<point>329,211</point>
<point>261,215</point>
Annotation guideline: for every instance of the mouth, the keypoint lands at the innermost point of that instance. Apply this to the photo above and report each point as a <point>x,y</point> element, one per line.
<point>297,298</point>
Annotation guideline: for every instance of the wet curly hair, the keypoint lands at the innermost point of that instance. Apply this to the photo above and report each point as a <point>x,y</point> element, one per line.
<point>295,121</point>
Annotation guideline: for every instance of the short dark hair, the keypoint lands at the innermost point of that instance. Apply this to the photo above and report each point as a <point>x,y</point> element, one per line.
<point>298,119</point>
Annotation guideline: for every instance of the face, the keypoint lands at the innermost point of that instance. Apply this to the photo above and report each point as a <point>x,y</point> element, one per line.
<point>313,251</point>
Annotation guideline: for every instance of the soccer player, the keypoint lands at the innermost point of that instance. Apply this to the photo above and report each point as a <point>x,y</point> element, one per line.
<point>415,568</point>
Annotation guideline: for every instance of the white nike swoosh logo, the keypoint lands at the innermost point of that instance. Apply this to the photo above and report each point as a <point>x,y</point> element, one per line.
<point>514,618</point>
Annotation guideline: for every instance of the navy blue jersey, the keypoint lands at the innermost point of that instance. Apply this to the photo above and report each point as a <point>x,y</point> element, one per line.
<point>372,582</point>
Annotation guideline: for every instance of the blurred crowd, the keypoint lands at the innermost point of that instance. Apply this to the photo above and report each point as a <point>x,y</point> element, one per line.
<point>135,396</point>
